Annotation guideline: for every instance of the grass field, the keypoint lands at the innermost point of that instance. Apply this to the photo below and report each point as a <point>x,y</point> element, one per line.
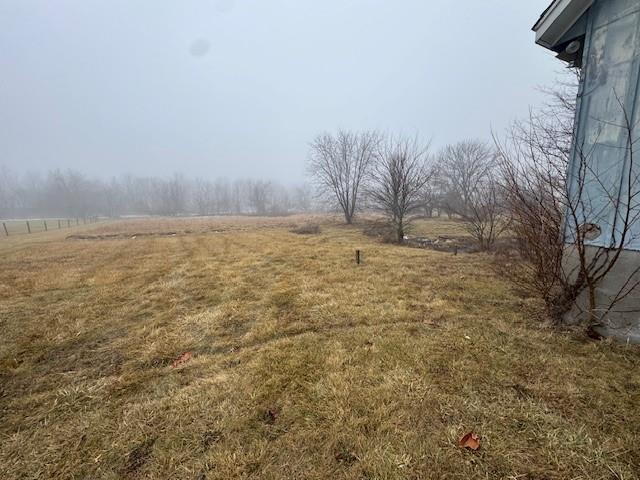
<point>303,365</point>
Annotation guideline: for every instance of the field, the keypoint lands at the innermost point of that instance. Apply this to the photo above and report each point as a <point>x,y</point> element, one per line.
<point>300,364</point>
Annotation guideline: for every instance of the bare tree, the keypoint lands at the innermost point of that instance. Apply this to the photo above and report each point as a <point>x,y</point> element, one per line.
<point>534,186</point>
<point>471,190</point>
<point>399,176</point>
<point>572,224</point>
<point>533,164</point>
<point>302,198</point>
<point>172,195</point>
<point>260,196</point>
<point>222,198</point>
<point>339,165</point>
<point>430,197</point>
<point>8,185</point>
<point>203,196</point>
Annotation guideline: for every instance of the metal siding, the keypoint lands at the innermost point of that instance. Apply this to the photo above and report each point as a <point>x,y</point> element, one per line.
<point>610,78</point>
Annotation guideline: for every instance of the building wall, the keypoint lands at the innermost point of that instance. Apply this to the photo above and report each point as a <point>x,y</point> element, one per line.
<point>623,320</point>
<point>608,99</point>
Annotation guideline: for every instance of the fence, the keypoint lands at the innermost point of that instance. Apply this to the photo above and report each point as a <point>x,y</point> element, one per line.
<point>19,227</point>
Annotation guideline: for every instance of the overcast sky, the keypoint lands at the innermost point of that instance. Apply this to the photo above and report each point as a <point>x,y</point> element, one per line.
<point>238,88</point>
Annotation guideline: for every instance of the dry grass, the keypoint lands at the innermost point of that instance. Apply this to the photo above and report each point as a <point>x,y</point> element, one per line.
<point>432,227</point>
<point>308,229</point>
<point>304,365</point>
<point>190,225</point>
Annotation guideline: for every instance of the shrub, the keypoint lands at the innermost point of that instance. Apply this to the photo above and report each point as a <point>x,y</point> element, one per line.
<point>306,230</point>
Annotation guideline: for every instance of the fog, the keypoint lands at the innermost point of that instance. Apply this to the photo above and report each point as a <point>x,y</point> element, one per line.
<point>238,88</point>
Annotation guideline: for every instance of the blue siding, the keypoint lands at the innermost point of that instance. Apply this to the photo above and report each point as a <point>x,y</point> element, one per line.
<point>608,89</point>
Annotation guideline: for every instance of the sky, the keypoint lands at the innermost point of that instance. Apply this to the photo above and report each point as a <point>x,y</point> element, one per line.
<point>238,88</point>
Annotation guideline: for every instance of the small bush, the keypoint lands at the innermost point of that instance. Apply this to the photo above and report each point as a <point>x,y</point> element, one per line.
<point>306,230</point>
<point>380,230</point>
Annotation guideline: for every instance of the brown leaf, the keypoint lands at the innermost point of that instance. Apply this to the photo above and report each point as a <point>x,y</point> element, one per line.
<point>469,440</point>
<point>183,358</point>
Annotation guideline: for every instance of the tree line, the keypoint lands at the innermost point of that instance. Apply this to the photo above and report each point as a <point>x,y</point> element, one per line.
<point>399,177</point>
<point>69,193</point>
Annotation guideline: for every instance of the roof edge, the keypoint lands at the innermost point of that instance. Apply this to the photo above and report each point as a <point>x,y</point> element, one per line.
<point>557,19</point>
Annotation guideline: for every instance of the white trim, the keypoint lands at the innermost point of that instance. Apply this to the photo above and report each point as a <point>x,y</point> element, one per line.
<point>558,19</point>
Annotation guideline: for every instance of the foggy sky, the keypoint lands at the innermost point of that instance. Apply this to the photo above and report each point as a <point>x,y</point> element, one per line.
<point>238,88</point>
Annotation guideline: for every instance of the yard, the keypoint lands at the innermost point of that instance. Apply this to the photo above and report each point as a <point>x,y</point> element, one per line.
<point>299,363</point>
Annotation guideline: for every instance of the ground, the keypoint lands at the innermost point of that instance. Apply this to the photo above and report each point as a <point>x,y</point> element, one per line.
<point>302,364</point>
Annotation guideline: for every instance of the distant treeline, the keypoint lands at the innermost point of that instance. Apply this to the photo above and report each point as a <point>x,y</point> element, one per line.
<point>70,193</point>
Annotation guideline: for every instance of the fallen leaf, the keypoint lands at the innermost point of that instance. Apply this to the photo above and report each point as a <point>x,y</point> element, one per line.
<point>469,440</point>
<point>184,358</point>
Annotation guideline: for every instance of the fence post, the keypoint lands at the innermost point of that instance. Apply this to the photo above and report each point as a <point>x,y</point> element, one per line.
<point>68,223</point>
<point>358,257</point>
<point>6,232</point>
<point>45,226</point>
<point>59,224</point>
<point>77,221</point>
<point>28,227</point>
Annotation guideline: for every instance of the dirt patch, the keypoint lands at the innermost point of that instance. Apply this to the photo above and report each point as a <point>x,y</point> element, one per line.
<point>270,415</point>
<point>211,437</point>
<point>121,236</point>
<point>138,457</point>
<point>459,244</point>
<point>443,243</point>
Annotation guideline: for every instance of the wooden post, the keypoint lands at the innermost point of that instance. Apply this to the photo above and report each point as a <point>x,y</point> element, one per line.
<point>455,250</point>
<point>28,227</point>
<point>59,227</point>
<point>6,232</point>
<point>45,226</point>
<point>358,257</point>
<point>68,223</point>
